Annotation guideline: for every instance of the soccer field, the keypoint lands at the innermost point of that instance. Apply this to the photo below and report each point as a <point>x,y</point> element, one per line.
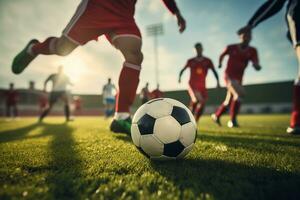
<point>84,160</point>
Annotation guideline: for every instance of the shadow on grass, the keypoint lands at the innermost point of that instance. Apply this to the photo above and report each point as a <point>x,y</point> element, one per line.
<point>250,142</point>
<point>124,137</point>
<point>64,178</point>
<point>17,134</point>
<point>225,180</point>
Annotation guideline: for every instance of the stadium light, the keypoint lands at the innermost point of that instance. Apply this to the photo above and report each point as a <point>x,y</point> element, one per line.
<point>154,30</point>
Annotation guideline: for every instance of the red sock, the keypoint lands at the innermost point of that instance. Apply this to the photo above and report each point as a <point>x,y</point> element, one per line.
<point>221,110</point>
<point>295,118</point>
<point>128,83</point>
<point>234,109</point>
<point>46,48</point>
<point>199,111</point>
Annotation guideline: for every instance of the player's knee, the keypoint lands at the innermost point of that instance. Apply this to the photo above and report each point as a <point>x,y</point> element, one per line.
<point>63,51</point>
<point>134,57</point>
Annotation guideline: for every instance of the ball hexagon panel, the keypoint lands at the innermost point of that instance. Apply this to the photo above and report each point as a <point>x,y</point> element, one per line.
<point>181,115</point>
<point>188,134</point>
<point>173,149</point>
<point>135,135</point>
<point>159,109</point>
<point>185,151</point>
<point>167,129</point>
<point>151,145</point>
<point>140,113</point>
<point>146,124</point>
<point>179,104</point>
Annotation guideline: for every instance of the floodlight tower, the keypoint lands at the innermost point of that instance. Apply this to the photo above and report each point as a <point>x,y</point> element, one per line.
<point>154,30</point>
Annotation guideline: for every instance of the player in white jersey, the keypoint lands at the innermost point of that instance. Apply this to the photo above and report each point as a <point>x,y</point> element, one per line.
<point>60,81</point>
<point>109,97</point>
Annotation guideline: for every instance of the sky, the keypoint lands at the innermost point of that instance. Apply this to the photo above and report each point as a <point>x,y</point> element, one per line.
<point>213,23</point>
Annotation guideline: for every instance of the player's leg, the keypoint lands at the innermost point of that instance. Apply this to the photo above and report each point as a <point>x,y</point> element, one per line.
<point>293,19</point>
<point>8,107</point>
<point>65,97</point>
<point>200,105</point>
<point>238,92</point>
<point>223,108</point>
<point>194,101</point>
<point>294,127</point>
<point>15,110</point>
<point>51,46</point>
<point>52,100</point>
<point>130,47</point>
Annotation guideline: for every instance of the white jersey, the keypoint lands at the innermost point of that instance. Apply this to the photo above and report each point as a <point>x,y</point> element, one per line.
<point>59,82</point>
<point>109,91</point>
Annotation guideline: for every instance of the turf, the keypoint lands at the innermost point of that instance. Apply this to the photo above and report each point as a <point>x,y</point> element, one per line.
<point>83,160</point>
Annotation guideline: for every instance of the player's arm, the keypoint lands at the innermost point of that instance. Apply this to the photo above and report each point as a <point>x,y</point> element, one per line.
<point>46,82</point>
<point>254,59</point>
<point>183,69</point>
<point>223,54</point>
<point>265,11</point>
<point>171,5</point>
<point>212,67</point>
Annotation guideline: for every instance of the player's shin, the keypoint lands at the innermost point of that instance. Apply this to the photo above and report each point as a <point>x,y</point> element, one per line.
<point>46,48</point>
<point>295,118</point>
<point>128,83</point>
<point>199,111</point>
<point>234,109</point>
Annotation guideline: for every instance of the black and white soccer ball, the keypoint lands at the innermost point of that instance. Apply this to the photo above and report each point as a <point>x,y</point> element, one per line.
<point>164,129</point>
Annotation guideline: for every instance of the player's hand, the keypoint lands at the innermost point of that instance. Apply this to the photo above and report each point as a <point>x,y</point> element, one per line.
<point>257,67</point>
<point>181,22</point>
<point>179,80</point>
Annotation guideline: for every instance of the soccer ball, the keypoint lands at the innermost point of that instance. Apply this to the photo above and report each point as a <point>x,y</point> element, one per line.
<point>163,129</point>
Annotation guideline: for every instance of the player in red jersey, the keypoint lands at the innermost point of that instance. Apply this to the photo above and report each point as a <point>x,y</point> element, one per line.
<point>157,93</point>
<point>239,56</point>
<point>199,67</point>
<point>115,20</point>
<point>267,10</point>
<point>12,101</point>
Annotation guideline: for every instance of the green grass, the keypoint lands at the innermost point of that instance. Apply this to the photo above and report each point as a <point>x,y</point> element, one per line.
<point>83,160</point>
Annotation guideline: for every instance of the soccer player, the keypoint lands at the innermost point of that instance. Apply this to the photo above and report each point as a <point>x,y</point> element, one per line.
<point>60,81</point>
<point>115,20</point>
<point>145,94</point>
<point>239,56</point>
<point>157,93</point>
<point>11,101</point>
<point>199,67</point>
<point>108,95</point>
<point>267,10</point>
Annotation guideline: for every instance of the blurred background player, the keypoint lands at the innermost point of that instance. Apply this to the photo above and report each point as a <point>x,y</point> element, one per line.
<point>145,95</point>
<point>239,56</point>
<point>60,81</point>
<point>199,67</point>
<point>268,9</point>
<point>157,93</point>
<point>43,102</point>
<point>109,98</point>
<point>11,102</point>
<point>115,20</point>
<point>77,105</point>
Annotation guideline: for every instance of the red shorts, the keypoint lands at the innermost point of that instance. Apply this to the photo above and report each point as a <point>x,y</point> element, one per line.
<point>203,91</point>
<point>91,21</point>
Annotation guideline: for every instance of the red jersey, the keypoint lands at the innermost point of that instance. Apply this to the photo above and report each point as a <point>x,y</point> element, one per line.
<point>11,97</point>
<point>157,94</point>
<point>199,68</point>
<point>238,60</point>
